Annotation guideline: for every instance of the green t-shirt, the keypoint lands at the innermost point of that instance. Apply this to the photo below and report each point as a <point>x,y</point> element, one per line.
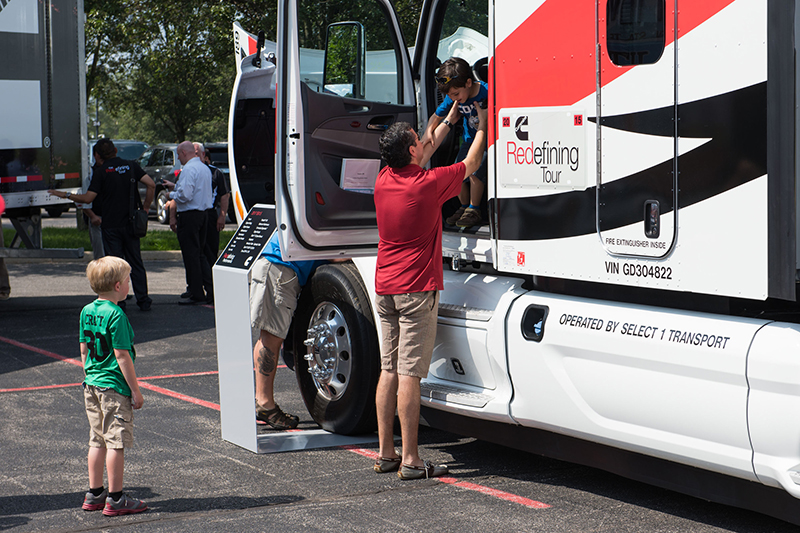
<point>105,327</point>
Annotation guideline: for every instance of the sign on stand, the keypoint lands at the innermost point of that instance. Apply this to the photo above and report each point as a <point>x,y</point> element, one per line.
<point>235,348</point>
<point>232,313</point>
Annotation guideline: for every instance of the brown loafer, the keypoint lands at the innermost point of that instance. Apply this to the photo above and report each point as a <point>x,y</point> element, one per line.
<point>428,470</point>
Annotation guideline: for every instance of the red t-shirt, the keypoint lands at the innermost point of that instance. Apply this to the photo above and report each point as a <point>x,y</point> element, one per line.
<point>408,204</point>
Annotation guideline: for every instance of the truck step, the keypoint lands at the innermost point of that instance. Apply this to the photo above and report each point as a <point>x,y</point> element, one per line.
<point>464,312</point>
<point>450,394</point>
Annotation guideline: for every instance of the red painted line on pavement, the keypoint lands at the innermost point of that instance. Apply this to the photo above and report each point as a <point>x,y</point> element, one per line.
<point>494,492</point>
<point>23,389</point>
<point>190,374</point>
<point>462,484</point>
<point>178,395</point>
<point>43,387</point>
<point>42,352</point>
<point>360,451</point>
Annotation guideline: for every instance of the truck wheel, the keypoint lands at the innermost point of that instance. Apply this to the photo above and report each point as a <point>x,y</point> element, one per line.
<point>337,360</point>
<point>57,211</point>
<point>161,204</point>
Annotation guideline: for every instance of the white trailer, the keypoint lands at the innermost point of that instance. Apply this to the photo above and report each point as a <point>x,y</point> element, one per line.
<point>43,110</point>
<point>631,303</point>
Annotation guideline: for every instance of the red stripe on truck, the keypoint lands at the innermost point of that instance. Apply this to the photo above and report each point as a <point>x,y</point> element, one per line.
<point>20,179</point>
<point>549,60</point>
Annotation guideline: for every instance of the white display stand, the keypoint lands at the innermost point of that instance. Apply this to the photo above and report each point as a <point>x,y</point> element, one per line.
<point>235,349</point>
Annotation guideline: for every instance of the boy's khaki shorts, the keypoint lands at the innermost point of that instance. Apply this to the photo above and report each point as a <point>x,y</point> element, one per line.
<point>110,417</point>
<point>273,297</point>
<point>408,331</point>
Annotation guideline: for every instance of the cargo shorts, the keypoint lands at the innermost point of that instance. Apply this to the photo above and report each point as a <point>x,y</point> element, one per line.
<point>110,417</point>
<point>408,331</point>
<point>273,297</point>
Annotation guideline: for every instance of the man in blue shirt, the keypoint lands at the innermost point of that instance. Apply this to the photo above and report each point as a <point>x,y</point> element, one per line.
<point>192,195</point>
<point>274,290</point>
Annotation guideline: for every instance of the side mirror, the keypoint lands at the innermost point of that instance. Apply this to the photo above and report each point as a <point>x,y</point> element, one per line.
<point>345,60</point>
<point>259,47</point>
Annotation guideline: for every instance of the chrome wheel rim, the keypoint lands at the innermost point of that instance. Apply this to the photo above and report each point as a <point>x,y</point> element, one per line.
<point>328,351</point>
<point>161,203</point>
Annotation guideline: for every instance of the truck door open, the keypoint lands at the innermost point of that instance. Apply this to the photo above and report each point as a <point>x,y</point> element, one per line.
<point>637,183</point>
<point>344,77</point>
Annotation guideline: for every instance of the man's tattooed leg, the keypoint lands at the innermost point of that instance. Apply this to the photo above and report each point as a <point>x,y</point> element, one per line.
<point>267,361</point>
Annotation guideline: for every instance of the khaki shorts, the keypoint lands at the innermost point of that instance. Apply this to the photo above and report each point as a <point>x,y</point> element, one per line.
<point>273,297</point>
<point>110,417</point>
<point>408,331</point>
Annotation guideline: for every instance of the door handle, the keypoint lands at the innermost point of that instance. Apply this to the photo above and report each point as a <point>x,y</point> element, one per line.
<point>381,123</point>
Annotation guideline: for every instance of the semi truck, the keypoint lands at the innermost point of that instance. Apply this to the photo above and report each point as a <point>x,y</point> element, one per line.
<point>43,109</point>
<point>630,302</point>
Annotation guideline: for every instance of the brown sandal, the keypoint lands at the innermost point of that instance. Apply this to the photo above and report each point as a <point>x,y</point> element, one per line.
<point>386,464</point>
<point>276,418</point>
<point>427,470</point>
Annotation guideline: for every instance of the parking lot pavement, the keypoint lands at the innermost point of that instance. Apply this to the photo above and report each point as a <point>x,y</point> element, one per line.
<point>194,481</point>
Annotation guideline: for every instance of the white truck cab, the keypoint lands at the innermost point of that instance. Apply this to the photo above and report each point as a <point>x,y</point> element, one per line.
<point>631,301</point>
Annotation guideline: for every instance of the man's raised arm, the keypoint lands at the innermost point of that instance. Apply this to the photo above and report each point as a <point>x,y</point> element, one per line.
<point>478,147</point>
<point>439,134</point>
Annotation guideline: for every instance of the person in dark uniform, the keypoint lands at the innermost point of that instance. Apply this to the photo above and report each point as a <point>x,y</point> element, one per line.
<point>219,209</point>
<point>118,178</point>
<point>92,214</point>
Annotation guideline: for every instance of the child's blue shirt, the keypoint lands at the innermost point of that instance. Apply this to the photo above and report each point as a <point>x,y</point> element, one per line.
<point>272,251</point>
<point>468,112</point>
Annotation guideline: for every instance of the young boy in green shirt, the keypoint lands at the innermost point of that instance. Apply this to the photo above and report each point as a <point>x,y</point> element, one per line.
<point>110,389</point>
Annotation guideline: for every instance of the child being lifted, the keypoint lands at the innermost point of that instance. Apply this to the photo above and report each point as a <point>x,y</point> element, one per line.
<point>456,81</point>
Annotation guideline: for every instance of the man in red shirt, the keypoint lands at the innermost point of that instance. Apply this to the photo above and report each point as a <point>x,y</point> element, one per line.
<point>408,278</point>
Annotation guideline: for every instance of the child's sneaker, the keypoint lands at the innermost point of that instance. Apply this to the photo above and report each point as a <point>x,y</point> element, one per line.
<point>94,503</point>
<point>452,219</point>
<point>125,505</point>
<point>471,217</point>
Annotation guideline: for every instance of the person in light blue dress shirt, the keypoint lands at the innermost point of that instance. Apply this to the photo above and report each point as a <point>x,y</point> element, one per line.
<point>193,197</point>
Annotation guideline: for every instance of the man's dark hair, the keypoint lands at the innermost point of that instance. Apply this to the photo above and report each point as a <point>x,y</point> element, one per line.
<point>395,143</point>
<point>105,148</point>
<point>457,71</point>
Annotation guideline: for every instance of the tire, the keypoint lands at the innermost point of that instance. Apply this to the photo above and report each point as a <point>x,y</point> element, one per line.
<point>57,211</point>
<point>161,201</point>
<point>335,330</point>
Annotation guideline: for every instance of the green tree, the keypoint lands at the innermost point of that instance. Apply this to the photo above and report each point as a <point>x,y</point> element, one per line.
<point>163,70</point>
<point>167,66</point>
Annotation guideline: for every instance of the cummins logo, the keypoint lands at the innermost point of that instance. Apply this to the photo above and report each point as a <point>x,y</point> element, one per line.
<point>521,128</point>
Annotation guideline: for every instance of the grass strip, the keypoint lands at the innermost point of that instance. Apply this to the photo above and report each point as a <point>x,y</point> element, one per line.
<point>76,238</point>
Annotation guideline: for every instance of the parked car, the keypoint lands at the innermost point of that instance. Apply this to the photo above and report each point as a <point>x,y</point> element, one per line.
<point>126,149</point>
<point>160,162</point>
<point>130,150</point>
